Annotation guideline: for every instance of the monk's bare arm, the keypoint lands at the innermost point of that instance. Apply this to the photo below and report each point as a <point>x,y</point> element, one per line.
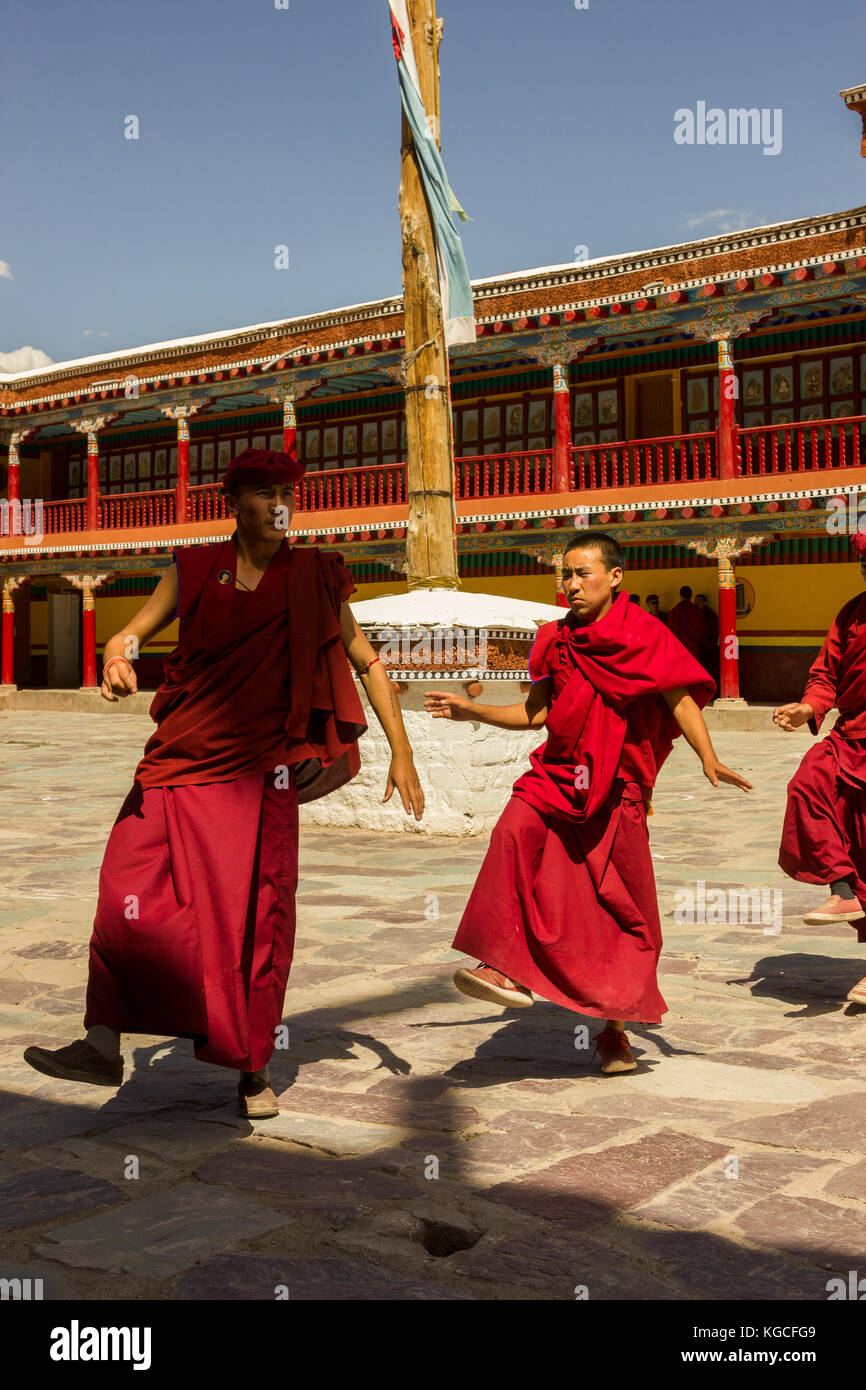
<point>383,697</point>
<point>531,714</point>
<point>697,735</point>
<point>151,618</point>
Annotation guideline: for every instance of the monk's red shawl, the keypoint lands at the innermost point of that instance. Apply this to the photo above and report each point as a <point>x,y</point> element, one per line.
<point>266,687</point>
<point>607,714</point>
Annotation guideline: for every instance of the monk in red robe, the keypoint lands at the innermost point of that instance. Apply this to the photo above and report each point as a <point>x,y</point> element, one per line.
<point>708,648</point>
<point>565,904</point>
<point>686,622</point>
<point>652,606</point>
<point>824,834</point>
<point>258,712</point>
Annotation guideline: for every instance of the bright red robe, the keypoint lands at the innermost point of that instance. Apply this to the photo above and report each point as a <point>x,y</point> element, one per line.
<point>565,901</point>
<point>824,833</point>
<point>194,929</point>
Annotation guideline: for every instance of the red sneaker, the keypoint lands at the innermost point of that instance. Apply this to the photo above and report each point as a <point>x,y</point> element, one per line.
<point>835,909</point>
<point>491,985</point>
<point>612,1046</point>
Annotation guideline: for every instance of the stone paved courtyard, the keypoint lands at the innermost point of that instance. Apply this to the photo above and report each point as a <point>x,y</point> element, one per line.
<point>732,1164</point>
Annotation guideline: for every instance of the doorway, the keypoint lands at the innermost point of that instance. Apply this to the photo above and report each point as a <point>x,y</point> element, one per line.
<point>64,640</point>
<point>655,414</point>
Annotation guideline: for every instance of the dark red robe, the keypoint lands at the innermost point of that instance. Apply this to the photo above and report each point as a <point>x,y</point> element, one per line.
<point>194,929</point>
<point>824,833</point>
<point>686,622</point>
<point>565,901</point>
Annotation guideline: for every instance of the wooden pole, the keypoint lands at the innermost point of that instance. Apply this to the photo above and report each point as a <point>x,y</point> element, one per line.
<point>431,543</point>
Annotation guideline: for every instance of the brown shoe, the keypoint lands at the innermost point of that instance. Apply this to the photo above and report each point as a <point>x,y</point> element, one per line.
<point>857,995</point>
<point>616,1055</point>
<point>256,1100</point>
<point>835,909</point>
<point>492,986</point>
<point>78,1061</point>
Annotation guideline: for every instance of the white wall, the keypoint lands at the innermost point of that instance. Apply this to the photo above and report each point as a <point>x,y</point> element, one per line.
<point>466,769</point>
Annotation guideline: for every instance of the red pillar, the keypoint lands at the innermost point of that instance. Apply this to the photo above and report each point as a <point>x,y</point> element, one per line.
<point>725,424</point>
<point>7,676</point>
<point>181,490</point>
<point>88,637</point>
<point>92,481</point>
<point>729,681</point>
<point>562,421</point>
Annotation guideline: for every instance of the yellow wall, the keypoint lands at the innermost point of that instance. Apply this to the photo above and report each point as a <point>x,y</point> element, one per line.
<point>113,614</point>
<point>802,599</point>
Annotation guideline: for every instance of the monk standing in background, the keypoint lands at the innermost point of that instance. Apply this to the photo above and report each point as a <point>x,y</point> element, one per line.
<point>652,606</point>
<point>686,622</point>
<point>565,902</point>
<point>708,650</point>
<point>824,834</point>
<point>195,924</point>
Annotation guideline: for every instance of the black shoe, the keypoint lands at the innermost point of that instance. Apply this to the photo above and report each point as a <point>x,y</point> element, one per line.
<point>78,1061</point>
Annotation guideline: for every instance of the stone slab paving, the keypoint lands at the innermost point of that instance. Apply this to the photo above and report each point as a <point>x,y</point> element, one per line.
<point>428,1146</point>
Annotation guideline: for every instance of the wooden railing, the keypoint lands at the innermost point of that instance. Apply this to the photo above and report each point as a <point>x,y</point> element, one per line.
<point>207,502</point>
<point>504,475</point>
<point>679,458</point>
<point>807,446</point>
<point>336,489</point>
<point>131,511</point>
<point>71,515</point>
<point>622,464</point>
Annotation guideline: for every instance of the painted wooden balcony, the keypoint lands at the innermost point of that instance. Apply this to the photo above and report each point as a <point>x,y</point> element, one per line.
<point>809,447</point>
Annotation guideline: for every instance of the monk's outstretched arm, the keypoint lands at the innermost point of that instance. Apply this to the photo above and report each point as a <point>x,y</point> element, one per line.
<point>697,735</point>
<point>383,697</point>
<point>531,714</point>
<point>159,611</point>
<point>820,694</point>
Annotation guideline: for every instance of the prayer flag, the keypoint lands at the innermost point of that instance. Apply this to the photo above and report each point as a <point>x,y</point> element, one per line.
<point>457,308</point>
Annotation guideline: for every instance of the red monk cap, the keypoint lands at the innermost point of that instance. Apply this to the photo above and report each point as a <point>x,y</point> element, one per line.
<point>858,541</point>
<point>262,466</point>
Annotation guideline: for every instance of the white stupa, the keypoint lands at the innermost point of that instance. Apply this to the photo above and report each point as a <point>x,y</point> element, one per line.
<point>440,608</point>
<point>466,768</point>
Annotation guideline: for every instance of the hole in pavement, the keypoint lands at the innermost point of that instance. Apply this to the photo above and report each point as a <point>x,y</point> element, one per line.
<point>438,1238</point>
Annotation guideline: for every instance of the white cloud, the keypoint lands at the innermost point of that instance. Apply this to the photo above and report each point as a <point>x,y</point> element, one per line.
<point>721,220</point>
<point>100,333</point>
<point>5,272</point>
<point>24,359</point>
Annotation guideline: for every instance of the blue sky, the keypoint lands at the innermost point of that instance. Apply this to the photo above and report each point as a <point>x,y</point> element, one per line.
<point>262,126</point>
